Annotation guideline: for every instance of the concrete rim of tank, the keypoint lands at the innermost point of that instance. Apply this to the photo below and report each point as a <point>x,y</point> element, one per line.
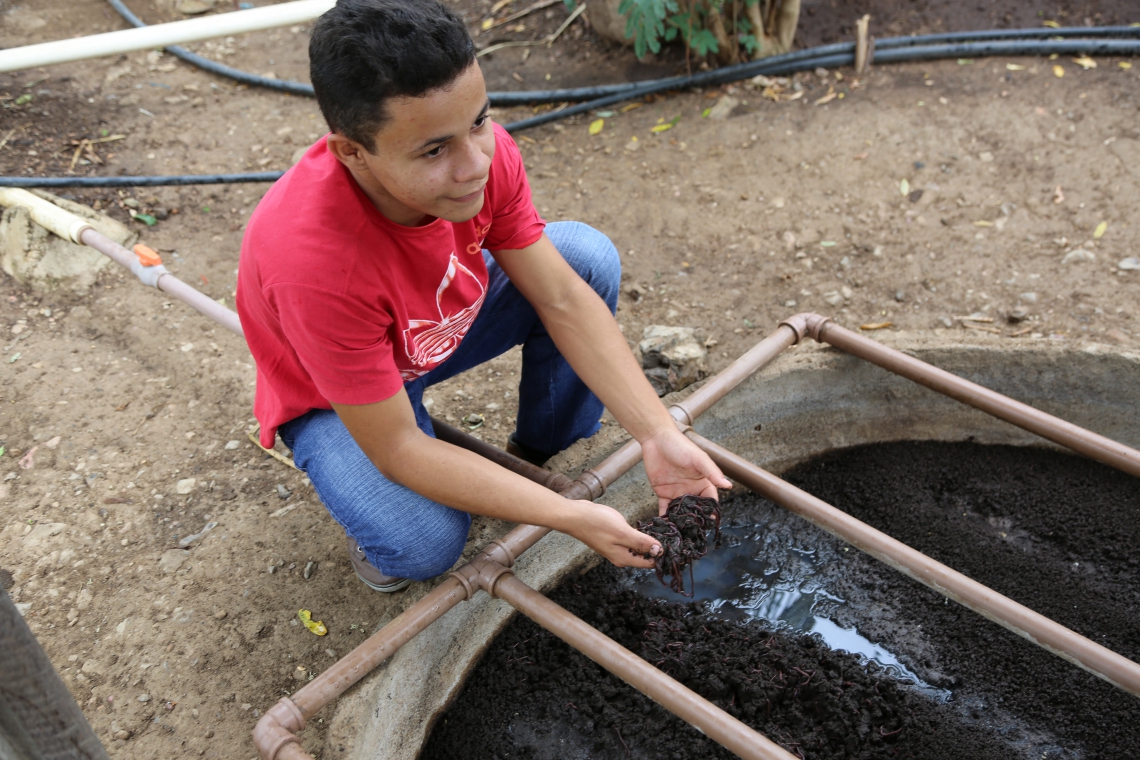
<point>811,400</point>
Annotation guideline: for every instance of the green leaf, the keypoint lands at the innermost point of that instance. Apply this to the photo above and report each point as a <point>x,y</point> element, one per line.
<point>25,98</point>
<point>703,42</point>
<point>146,219</point>
<point>749,43</point>
<point>15,356</point>
<point>2,450</point>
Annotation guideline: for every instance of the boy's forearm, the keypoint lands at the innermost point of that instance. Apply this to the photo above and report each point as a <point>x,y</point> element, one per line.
<point>590,339</point>
<point>460,479</point>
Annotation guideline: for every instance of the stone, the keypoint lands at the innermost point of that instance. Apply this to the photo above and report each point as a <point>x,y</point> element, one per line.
<point>1129,263</point>
<point>144,698</point>
<point>846,292</point>
<point>220,614</point>
<point>93,668</point>
<point>41,535</point>
<point>35,257</point>
<point>300,673</point>
<point>231,445</point>
<point>723,108</point>
<point>122,734</point>
<point>171,560</point>
<point>1078,255</point>
<point>194,7</point>
<point>83,600</point>
<point>607,22</point>
<point>185,486</point>
<point>833,297</point>
<point>1030,297</point>
<point>1017,315</point>
<point>672,357</point>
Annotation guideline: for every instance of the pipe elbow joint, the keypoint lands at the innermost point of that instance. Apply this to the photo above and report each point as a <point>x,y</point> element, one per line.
<point>806,324</point>
<point>276,727</point>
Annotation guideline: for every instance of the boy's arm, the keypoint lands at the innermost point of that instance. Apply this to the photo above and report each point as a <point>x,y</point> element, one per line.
<point>387,433</point>
<point>588,336</point>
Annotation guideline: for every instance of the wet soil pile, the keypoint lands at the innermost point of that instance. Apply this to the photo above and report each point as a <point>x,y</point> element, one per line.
<point>1048,529</point>
<point>683,534</point>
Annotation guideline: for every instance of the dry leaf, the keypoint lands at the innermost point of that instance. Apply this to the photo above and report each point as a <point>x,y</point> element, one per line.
<point>1125,65</point>
<point>1058,71</point>
<point>983,223</point>
<point>904,187</point>
<point>1085,62</point>
<point>1058,196</point>
<point>316,626</point>
<point>1014,67</point>
<point>1051,24</point>
<point>830,96</point>
<point>875,326</point>
<point>596,126</point>
<point>983,328</point>
<point>1100,230</point>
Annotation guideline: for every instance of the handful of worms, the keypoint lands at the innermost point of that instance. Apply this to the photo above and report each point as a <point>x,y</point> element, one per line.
<point>683,534</point>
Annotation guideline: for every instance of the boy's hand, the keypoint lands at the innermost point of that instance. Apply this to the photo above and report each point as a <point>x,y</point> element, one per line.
<point>604,530</point>
<point>676,467</point>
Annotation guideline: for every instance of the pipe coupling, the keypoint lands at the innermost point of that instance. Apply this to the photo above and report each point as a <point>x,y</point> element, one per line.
<point>275,728</point>
<point>593,484</point>
<point>806,324</point>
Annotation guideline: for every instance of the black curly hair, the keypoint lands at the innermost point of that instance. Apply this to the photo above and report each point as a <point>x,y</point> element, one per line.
<point>363,52</point>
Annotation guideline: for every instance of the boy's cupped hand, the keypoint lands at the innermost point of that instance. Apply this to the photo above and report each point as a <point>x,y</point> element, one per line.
<point>605,531</point>
<point>676,467</point>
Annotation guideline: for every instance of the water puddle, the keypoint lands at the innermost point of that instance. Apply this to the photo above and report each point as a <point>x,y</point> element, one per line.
<point>753,576</point>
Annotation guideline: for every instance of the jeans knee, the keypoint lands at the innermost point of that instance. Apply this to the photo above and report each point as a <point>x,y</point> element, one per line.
<point>436,553</point>
<point>592,255</point>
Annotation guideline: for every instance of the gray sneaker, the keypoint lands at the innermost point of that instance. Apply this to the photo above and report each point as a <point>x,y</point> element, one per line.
<point>373,578</point>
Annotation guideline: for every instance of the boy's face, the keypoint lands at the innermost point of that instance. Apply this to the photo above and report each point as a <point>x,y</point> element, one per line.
<point>432,157</point>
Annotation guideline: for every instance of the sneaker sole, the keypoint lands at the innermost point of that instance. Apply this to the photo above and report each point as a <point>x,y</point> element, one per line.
<point>387,588</point>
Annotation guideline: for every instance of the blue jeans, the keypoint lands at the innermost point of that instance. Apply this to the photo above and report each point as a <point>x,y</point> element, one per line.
<point>402,533</point>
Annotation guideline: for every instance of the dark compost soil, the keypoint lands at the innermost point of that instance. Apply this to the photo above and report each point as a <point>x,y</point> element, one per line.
<point>1048,529</point>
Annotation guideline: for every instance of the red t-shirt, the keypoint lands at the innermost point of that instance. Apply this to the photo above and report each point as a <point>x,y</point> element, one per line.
<point>340,304</point>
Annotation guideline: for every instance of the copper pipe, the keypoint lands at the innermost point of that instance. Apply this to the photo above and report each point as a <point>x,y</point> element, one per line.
<point>683,702</point>
<point>555,481</point>
<point>274,735</point>
<point>1047,426</point>
<point>1096,659</point>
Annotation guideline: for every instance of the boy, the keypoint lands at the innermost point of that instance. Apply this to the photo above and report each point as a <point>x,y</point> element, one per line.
<point>404,249</point>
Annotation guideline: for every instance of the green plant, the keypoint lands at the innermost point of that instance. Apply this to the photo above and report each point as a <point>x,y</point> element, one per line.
<point>729,30</point>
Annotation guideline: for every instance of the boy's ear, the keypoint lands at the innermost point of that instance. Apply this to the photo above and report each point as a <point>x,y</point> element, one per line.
<point>348,152</point>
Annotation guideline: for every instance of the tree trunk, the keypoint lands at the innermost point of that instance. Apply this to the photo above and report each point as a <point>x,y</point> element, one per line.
<point>716,25</point>
<point>38,718</point>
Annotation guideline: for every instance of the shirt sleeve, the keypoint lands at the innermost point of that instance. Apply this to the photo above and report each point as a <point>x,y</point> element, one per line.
<point>342,343</point>
<point>515,222</point>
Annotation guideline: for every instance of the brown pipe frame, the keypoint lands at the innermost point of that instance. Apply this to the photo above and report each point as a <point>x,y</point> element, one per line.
<point>1051,428</point>
<point>1067,644</point>
<point>274,730</point>
<point>275,733</point>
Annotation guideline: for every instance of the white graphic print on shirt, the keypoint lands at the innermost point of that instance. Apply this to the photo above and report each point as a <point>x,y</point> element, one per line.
<point>428,342</point>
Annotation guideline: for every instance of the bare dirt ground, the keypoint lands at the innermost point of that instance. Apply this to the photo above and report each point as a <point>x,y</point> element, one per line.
<point>115,397</point>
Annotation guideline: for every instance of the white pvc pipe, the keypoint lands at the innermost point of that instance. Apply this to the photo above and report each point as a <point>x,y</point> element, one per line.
<point>71,227</point>
<point>161,35</point>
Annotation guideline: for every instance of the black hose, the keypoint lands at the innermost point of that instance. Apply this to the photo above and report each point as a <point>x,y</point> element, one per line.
<point>576,94</point>
<point>155,181</point>
<point>284,85</point>
<point>827,56</point>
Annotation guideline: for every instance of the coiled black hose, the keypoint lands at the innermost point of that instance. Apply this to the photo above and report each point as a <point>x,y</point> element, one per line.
<point>1020,42</point>
<point>575,94</point>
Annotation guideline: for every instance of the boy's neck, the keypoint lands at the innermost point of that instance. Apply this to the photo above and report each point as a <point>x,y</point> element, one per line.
<point>389,207</point>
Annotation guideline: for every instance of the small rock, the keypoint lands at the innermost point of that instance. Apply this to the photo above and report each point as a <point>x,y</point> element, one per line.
<point>632,145</point>
<point>1017,315</point>
<point>83,600</point>
<point>308,572</point>
<point>171,560</point>
<point>1030,297</point>
<point>672,357</point>
<point>130,203</point>
<point>636,292</point>
<point>220,614</point>
<point>272,569</point>
<point>1115,335</point>
<point>946,321</point>
<point>231,445</point>
<point>300,673</point>
<point>194,7</point>
<point>144,698</point>
<point>1078,254</point>
<point>185,486</point>
<point>723,108</point>
<point>209,734</point>
<point>93,668</point>
<point>246,705</point>
<point>123,734</point>
<point>1129,263</point>
<point>283,492</point>
<point>331,653</point>
<point>900,296</point>
<point>833,297</point>
<point>986,157</point>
